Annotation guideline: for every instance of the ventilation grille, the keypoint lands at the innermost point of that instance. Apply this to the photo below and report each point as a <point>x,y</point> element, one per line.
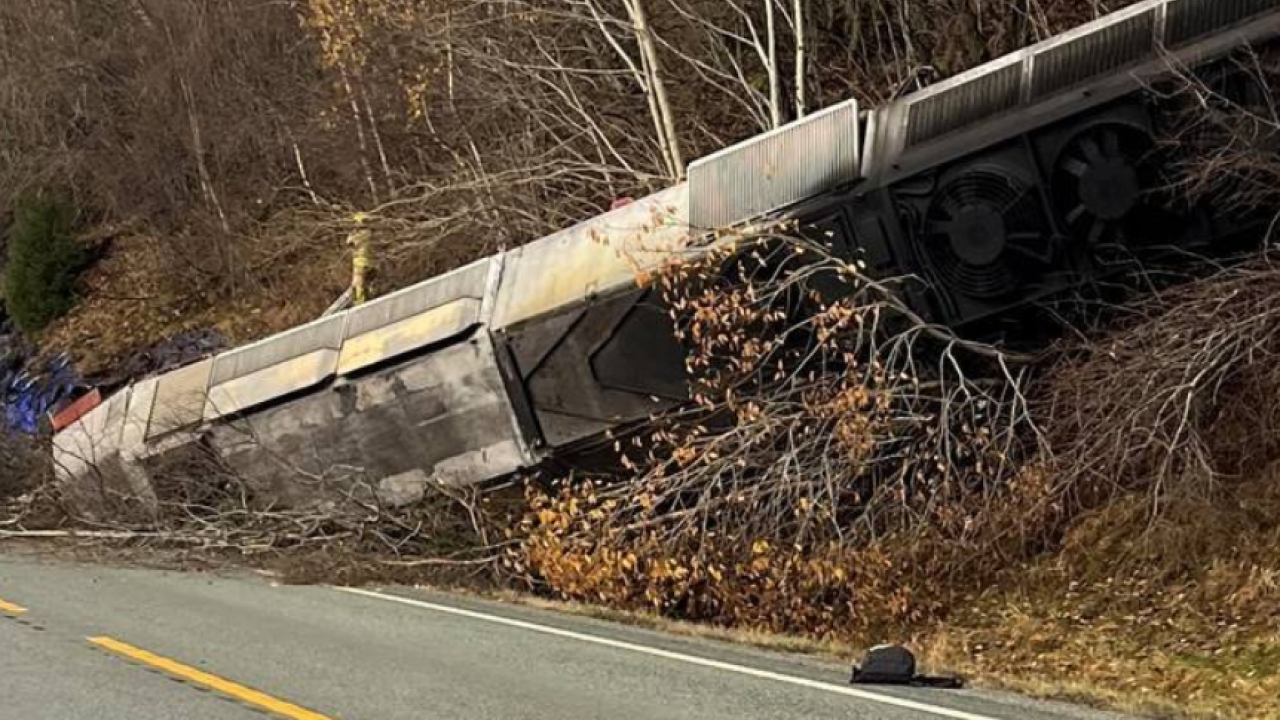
<point>801,160</point>
<point>324,334</point>
<point>465,282</point>
<point>1193,19</point>
<point>1105,50</point>
<point>1023,247</point>
<point>964,105</point>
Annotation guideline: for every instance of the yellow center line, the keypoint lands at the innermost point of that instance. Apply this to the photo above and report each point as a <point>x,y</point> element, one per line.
<point>213,682</point>
<point>10,609</point>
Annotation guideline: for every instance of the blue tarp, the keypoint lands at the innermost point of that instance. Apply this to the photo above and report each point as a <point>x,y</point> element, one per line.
<point>28,393</point>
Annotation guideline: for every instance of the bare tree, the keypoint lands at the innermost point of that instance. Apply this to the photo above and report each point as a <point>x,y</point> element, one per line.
<point>657,84</point>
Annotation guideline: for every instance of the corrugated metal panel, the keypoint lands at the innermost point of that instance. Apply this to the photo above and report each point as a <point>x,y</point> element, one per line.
<point>465,282</point>
<point>995,91</point>
<point>769,172</point>
<point>1102,48</point>
<point>595,257</point>
<point>325,334</point>
<point>1106,48</point>
<point>1190,20</point>
<point>180,399</point>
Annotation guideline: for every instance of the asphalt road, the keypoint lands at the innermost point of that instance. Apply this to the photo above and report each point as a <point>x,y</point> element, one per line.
<point>87,642</point>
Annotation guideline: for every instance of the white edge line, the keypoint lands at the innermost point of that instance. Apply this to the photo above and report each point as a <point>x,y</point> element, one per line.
<point>678,657</point>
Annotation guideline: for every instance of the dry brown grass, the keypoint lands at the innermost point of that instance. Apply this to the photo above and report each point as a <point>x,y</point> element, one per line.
<point>1176,615</point>
<point>828,649</point>
<point>128,303</point>
<point>1177,618</point>
<point>1134,561</point>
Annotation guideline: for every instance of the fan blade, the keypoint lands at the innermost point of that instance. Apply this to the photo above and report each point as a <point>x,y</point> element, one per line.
<point>1075,166</point>
<point>1030,245</point>
<point>1015,203</point>
<point>1111,143</point>
<point>1092,152</point>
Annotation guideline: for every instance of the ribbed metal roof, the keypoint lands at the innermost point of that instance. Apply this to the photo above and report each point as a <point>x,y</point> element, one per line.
<point>777,169</point>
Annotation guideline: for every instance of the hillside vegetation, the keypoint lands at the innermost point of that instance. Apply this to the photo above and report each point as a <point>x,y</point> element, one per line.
<point>224,145</point>
<point>1100,522</point>
<point>43,261</point>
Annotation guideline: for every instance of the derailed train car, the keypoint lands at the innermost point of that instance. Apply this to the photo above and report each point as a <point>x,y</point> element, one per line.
<point>1022,179</point>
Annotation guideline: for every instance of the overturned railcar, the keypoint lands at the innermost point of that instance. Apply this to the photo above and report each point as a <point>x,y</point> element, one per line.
<point>1039,172</point>
<point>1023,179</point>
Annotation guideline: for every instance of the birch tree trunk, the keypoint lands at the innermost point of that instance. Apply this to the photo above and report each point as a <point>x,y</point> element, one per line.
<point>775,82</point>
<point>802,61</point>
<point>657,83</point>
<point>360,136</point>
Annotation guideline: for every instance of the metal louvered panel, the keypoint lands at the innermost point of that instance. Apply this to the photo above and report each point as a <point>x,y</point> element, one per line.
<point>1193,19</point>
<point>1106,49</point>
<point>767,173</point>
<point>465,282</point>
<point>323,334</point>
<point>965,104</point>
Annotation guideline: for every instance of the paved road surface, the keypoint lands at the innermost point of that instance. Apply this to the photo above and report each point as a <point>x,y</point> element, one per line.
<point>82,642</point>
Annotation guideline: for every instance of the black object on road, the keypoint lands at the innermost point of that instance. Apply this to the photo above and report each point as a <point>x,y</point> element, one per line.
<point>896,665</point>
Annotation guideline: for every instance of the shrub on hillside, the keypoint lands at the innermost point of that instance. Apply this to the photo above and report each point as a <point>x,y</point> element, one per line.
<point>837,471</point>
<point>43,262</point>
<point>20,464</point>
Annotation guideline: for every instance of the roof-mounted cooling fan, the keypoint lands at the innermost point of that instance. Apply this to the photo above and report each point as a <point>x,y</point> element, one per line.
<point>1105,186</point>
<point>985,234</point>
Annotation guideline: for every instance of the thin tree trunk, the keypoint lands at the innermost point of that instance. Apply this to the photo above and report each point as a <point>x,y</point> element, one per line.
<point>377,138</point>
<point>302,173</point>
<point>641,75</point>
<point>644,36</point>
<point>448,55</point>
<point>360,136</point>
<point>775,82</point>
<point>802,61</point>
<point>664,143</point>
<point>197,149</point>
